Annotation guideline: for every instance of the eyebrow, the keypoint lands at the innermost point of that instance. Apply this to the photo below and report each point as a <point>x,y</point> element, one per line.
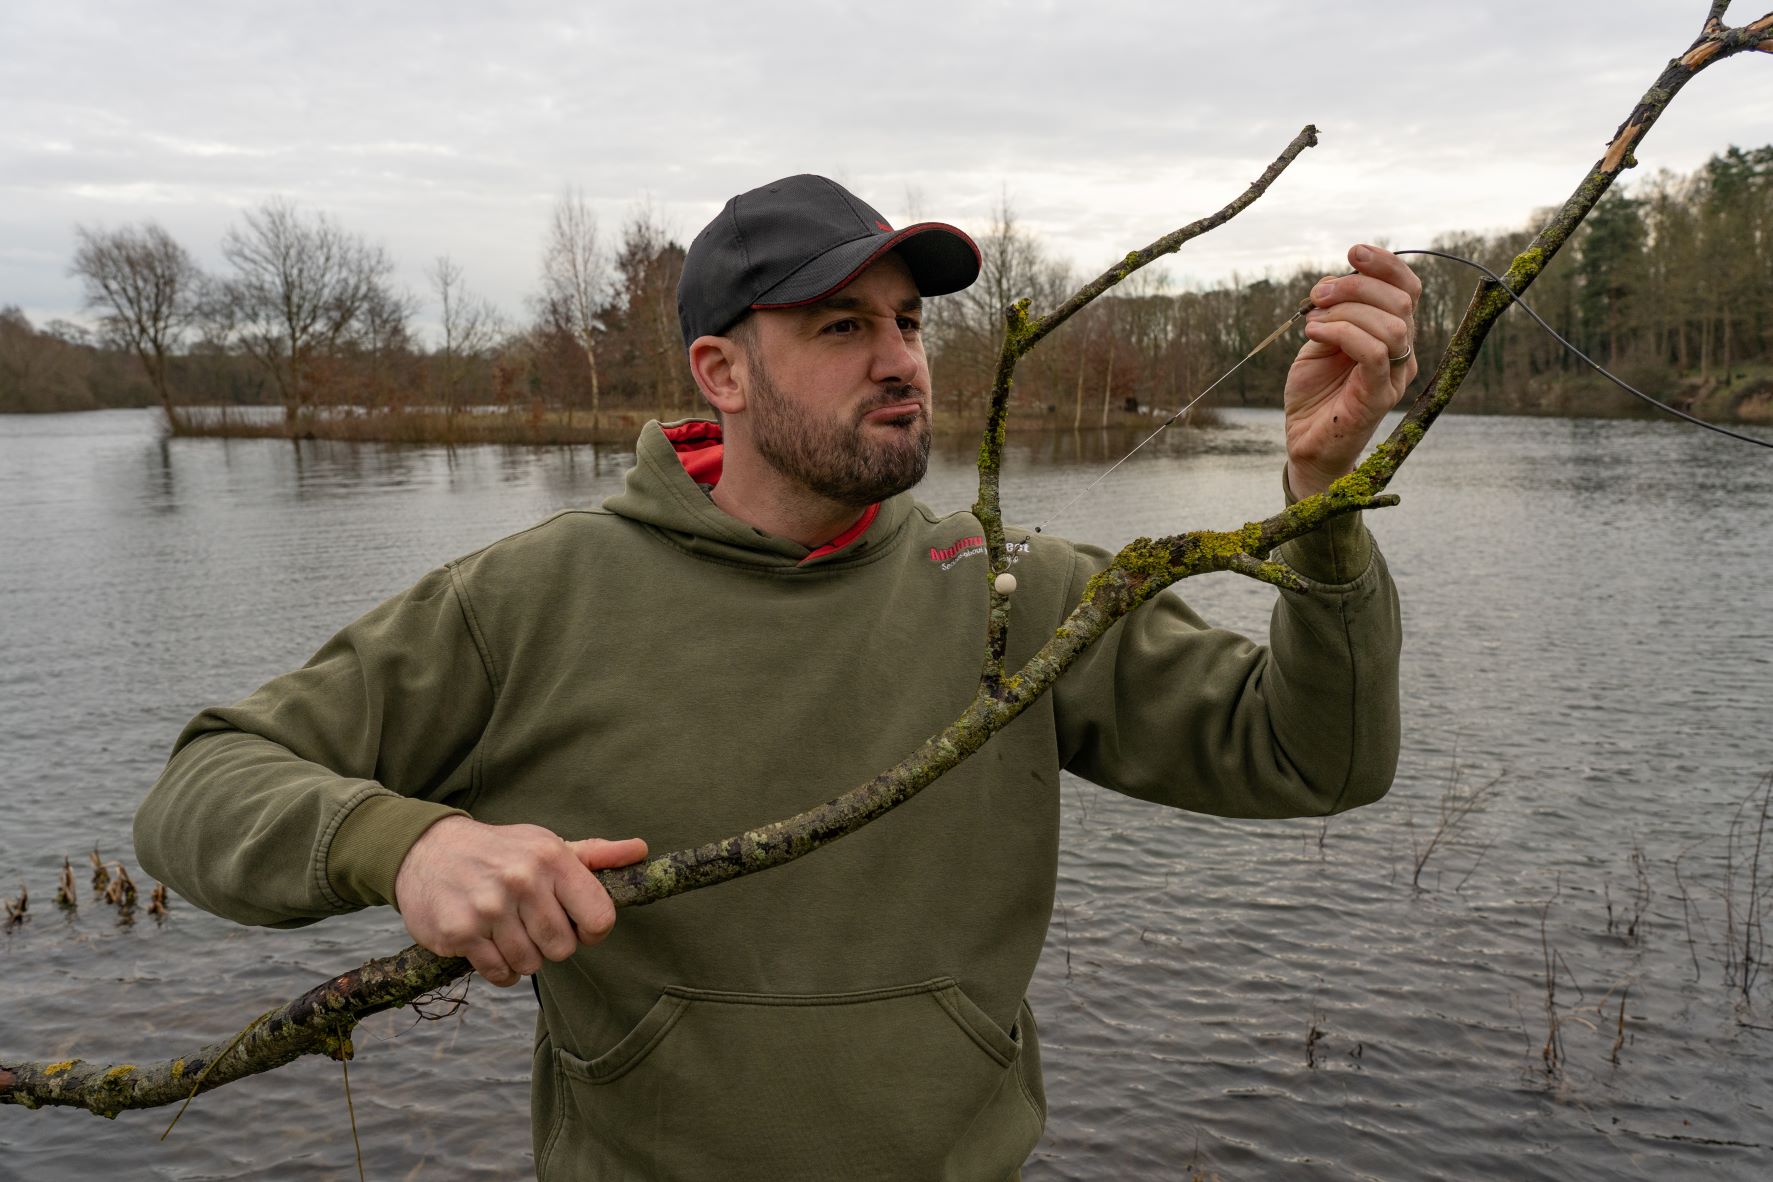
<point>843,303</point>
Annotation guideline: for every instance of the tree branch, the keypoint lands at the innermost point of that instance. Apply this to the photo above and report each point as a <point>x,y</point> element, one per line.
<point>1022,333</point>
<point>1490,301</point>
<point>321,1020</point>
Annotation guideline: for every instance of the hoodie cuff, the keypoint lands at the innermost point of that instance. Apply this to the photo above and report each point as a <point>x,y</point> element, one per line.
<point>371,843</point>
<point>1338,551</point>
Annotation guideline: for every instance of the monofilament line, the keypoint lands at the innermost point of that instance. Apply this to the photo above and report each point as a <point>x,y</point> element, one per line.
<point>1599,368</point>
<point>1304,307</point>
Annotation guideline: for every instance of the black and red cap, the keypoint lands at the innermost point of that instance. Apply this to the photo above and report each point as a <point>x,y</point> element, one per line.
<point>797,240</point>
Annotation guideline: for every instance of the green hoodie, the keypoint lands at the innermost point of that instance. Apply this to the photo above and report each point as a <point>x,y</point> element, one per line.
<point>657,668</point>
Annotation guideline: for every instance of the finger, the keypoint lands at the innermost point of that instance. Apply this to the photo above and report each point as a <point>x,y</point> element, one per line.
<point>1383,265</point>
<point>548,927</point>
<point>1363,289</point>
<point>484,955</point>
<point>587,906</point>
<point>1393,330</point>
<point>515,946</point>
<point>1367,352</point>
<point>594,853</point>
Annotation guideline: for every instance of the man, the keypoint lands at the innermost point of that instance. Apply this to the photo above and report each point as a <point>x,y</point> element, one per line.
<point>762,618</point>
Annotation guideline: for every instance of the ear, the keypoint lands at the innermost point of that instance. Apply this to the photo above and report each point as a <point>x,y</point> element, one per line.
<point>718,365</point>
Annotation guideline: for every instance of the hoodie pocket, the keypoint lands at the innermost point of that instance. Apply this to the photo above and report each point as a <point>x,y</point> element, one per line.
<point>908,1082</point>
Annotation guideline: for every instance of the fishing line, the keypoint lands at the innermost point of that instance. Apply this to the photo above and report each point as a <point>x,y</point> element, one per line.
<point>1599,368</point>
<point>1307,305</point>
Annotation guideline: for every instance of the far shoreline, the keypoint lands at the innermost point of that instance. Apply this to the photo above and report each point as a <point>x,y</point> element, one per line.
<point>555,429</point>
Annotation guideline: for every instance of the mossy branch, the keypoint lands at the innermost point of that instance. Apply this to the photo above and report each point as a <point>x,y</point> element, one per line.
<point>318,1022</point>
<point>321,1020</point>
<point>1022,332</point>
<point>1714,43</point>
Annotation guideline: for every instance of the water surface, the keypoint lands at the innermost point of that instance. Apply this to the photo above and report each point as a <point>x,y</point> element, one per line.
<point>1587,608</point>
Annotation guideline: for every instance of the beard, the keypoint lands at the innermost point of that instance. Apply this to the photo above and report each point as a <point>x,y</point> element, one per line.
<point>834,458</point>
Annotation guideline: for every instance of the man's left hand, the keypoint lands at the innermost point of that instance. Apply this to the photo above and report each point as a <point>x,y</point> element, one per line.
<point>1344,379</point>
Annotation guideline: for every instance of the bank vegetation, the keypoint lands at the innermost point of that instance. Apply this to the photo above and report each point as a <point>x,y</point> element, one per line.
<point>306,332</point>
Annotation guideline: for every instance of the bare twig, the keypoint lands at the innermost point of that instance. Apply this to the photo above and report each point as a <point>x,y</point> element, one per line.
<point>1619,1038</point>
<point>1688,910</point>
<point>1745,914</point>
<point>1456,805</point>
<point>1640,892</point>
<point>1313,1036</point>
<point>1551,1052</point>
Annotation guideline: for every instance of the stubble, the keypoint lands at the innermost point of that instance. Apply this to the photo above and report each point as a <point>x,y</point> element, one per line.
<point>842,461</point>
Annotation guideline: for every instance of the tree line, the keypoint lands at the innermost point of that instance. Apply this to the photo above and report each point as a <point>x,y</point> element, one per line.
<point>1669,283</point>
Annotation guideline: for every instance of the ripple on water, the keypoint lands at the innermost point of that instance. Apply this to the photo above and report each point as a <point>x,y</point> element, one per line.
<point>1561,636</point>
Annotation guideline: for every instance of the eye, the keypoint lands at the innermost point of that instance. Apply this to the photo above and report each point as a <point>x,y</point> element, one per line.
<point>910,325</point>
<point>842,327</point>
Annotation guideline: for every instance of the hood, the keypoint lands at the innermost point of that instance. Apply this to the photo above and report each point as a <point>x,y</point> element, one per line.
<point>665,491</point>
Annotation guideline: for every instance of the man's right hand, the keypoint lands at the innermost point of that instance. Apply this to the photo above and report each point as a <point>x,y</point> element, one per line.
<point>505,896</point>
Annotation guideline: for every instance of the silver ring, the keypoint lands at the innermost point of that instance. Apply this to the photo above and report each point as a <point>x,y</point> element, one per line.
<point>1402,357</point>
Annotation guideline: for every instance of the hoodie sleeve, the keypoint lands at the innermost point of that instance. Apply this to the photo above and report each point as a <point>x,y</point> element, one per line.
<point>1169,710</point>
<point>302,800</point>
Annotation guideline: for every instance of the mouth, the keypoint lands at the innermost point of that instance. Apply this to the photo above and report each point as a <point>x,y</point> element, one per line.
<point>895,413</point>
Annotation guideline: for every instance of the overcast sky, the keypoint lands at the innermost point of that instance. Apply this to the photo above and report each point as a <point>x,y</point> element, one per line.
<point>450,127</point>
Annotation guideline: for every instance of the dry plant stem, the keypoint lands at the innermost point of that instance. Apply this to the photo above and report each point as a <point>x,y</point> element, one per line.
<point>320,1020</point>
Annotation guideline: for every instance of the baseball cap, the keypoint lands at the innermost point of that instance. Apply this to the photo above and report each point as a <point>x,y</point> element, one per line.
<point>797,240</point>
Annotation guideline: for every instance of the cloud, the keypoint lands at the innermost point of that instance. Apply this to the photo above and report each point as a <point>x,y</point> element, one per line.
<point>449,128</point>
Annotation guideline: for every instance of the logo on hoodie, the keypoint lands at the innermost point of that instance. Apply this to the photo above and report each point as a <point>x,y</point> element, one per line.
<point>948,556</point>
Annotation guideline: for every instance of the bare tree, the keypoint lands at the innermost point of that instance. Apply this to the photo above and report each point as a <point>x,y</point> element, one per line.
<point>575,280</point>
<point>470,325</point>
<point>301,286</point>
<point>39,372</point>
<point>643,317</point>
<point>379,341</point>
<point>146,286</point>
<point>964,328</point>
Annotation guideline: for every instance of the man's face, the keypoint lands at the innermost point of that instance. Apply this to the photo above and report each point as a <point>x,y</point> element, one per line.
<point>839,392</point>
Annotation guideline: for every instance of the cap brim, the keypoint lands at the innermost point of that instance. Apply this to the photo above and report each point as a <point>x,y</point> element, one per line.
<point>941,258</point>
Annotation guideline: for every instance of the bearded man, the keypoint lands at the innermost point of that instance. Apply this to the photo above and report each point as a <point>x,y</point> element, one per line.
<point>763,618</point>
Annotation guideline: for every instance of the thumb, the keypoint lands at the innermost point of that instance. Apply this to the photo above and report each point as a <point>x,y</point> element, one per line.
<point>594,853</point>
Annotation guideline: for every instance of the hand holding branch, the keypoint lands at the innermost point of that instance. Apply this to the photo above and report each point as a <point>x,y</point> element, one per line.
<point>507,897</point>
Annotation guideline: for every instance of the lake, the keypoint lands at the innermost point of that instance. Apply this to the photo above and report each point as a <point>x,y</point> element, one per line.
<point>1587,666</point>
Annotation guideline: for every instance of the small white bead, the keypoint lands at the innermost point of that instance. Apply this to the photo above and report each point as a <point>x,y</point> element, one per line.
<point>1005,583</point>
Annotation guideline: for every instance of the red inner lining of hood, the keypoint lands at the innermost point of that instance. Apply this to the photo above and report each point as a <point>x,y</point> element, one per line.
<point>700,450</point>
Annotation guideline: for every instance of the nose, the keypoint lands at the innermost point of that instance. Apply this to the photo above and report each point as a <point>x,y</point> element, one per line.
<point>895,358</point>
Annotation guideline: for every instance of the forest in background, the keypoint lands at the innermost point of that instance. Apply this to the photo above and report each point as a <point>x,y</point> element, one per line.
<point>1669,282</point>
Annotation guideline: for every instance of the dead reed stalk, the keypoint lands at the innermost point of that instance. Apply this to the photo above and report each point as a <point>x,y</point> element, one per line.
<point>1458,802</point>
<point>1747,883</point>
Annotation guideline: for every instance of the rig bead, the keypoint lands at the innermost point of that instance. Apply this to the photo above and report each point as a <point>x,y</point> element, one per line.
<point>1005,583</point>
